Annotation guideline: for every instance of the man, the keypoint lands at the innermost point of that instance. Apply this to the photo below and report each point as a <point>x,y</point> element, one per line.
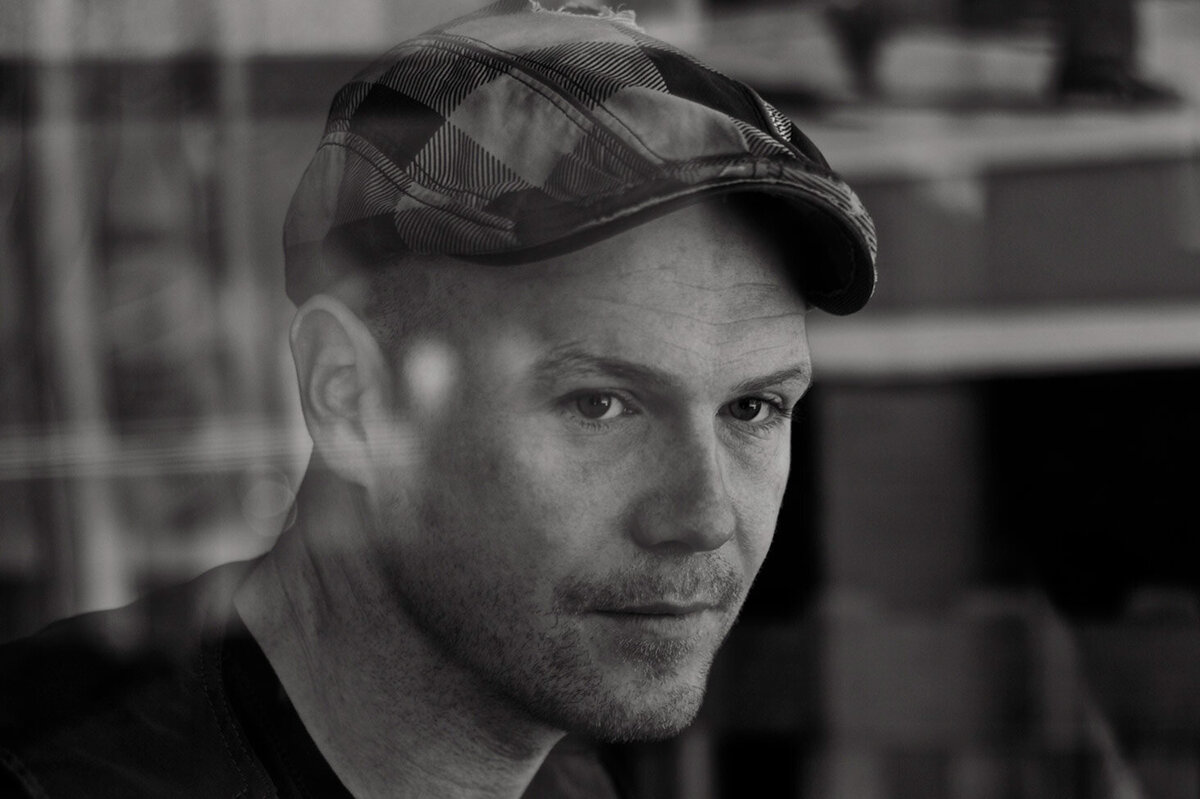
<point>552,278</point>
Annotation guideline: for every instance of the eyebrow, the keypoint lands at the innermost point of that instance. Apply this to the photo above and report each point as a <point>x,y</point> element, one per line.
<point>800,373</point>
<point>574,362</point>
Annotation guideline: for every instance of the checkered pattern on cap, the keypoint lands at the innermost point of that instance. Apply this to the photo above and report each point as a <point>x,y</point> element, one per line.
<point>516,133</point>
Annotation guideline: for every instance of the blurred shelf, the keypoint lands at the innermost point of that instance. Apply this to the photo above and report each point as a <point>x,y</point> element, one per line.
<point>889,143</point>
<point>65,29</point>
<point>967,345</point>
<point>161,448</point>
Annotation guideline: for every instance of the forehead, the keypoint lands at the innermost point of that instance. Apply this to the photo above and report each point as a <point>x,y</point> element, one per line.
<point>700,292</point>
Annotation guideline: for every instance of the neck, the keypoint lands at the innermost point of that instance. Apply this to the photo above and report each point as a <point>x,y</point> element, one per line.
<point>389,711</point>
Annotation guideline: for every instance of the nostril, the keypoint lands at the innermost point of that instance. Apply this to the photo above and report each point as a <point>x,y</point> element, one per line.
<point>694,514</point>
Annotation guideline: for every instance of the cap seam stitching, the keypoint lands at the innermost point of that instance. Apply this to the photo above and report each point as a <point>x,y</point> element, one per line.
<point>695,188</point>
<point>742,87</point>
<point>540,87</point>
<point>346,145</point>
<point>530,80</point>
<point>558,93</point>
<point>599,106</point>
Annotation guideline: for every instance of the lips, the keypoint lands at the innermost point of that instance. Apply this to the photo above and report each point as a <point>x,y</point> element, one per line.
<point>662,608</point>
<point>640,631</point>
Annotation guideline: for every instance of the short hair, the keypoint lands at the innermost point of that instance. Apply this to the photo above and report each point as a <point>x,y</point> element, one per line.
<point>398,304</point>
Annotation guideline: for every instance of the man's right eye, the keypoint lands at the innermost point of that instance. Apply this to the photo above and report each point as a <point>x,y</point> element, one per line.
<point>599,406</point>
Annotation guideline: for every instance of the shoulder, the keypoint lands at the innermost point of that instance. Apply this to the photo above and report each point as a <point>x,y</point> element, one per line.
<point>128,702</point>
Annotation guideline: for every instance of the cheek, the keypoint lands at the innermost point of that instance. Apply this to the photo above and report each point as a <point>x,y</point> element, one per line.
<point>759,501</point>
<point>521,499</point>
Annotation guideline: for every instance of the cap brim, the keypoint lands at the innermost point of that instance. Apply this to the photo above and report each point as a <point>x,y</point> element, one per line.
<point>832,263</point>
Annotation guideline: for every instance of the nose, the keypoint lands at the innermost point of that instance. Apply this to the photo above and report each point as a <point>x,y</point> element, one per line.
<point>689,507</point>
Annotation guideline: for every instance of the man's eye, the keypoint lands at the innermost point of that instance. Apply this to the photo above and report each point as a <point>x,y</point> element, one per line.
<point>749,409</point>
<point>599,407</point>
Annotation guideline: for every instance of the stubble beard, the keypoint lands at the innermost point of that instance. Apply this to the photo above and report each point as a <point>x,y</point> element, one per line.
<point>547,673</point>
<point>552,677</point>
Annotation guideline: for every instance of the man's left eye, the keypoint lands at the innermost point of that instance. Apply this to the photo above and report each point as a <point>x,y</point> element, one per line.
<point>599,406</point>
<point>749,409</point>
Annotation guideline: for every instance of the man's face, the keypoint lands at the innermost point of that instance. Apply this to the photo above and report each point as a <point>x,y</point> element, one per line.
<point>598,482</point>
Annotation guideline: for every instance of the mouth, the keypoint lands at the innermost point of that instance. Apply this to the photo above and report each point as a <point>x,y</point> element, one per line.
<point>666,608</point>
<point>661,619</point>
<point>667,633</point>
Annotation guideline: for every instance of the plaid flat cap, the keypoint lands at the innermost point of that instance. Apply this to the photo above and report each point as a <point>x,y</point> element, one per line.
<point>517,133</point>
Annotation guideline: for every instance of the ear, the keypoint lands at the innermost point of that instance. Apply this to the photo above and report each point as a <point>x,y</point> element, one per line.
<point>344,384</point>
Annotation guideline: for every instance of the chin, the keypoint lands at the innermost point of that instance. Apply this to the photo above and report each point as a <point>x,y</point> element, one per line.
<point>654,726</point>
<point>638,690</point>
<point>626,714</point>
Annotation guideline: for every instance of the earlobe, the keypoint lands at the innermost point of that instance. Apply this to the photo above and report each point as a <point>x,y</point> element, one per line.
<point>343,383</point>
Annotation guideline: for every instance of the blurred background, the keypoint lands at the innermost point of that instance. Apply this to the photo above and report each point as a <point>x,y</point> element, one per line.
<point>982,584</point>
